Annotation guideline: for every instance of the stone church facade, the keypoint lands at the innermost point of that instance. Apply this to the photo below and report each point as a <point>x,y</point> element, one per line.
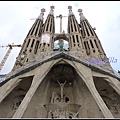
<point>59,83</point>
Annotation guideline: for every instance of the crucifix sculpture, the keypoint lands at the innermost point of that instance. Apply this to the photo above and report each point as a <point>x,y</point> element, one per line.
<point>61,89</point>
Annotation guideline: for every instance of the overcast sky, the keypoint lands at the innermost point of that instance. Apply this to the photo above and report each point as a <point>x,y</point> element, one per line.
<point>15,23</point>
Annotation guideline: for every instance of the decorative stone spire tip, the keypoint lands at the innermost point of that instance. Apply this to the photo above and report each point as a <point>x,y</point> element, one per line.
<point>70,10</point>
<point>41,14</point>
<point>51,10</point>
<point>80,11</point>
<point>82,17</point>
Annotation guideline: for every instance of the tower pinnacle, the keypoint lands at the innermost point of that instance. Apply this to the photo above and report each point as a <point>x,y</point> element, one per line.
<point>70,10</point>
<point>51,10</point>
<point>82,17</point>
<point>41,14</point>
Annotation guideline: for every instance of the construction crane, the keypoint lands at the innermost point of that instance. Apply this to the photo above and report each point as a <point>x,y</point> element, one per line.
<point>7,54</point>
<point>61,40</point>
<point>60,16</point>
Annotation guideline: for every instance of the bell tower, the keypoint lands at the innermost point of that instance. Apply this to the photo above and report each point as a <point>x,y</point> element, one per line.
<point>92,44</point>
<point>91,41</point>
<point>74,31</point>
<point>46,43</point>
<point>31,43</point>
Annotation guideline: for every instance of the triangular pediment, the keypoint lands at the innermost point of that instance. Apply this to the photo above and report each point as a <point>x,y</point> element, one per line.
<point>63,56</point>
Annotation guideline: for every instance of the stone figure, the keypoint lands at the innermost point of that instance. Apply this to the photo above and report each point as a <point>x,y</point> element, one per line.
<point>50,114</point>
<point>55,97</point>
<point>61,46</point>
<point>61,89</point>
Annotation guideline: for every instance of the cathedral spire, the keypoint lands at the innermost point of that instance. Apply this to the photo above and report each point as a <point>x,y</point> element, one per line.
<point>74,31</point>
<point>31,42</point>
<point>46,42</point>
<point>91,41</point>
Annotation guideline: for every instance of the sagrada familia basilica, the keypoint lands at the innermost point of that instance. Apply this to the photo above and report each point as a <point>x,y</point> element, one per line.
<point>50,82</point>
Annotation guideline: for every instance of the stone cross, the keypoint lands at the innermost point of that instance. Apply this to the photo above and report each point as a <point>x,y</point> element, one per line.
<point>61,89</point>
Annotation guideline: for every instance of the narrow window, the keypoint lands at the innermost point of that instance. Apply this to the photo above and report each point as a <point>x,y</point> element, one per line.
<point>74,24</point>
<point>40,31</point>
<point>68,27</point>
<point>32,43</point>
<point>33,28</point>
<point>83,30</point>
<point>78,28</point>
<point>88,44</point>
<point>90,29</point>
<point>85,45</point>
<point>91,32</point>
<point>43,27</point>
<point>51,26</point>
<point>71,24</point>
<point>73,38</point>
<point>87,30</point>
<point>77,38</point>
<point>27,60</point>
<point>36,47</point>
<point>47,25</point>
<point>96,43</point>
<point>37,28</point>
<point>28,43</point>
<point>91,44</point>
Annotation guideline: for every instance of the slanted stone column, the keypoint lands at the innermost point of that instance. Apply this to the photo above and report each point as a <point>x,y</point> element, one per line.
<point>41,73</point>
<point>86,75</point>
